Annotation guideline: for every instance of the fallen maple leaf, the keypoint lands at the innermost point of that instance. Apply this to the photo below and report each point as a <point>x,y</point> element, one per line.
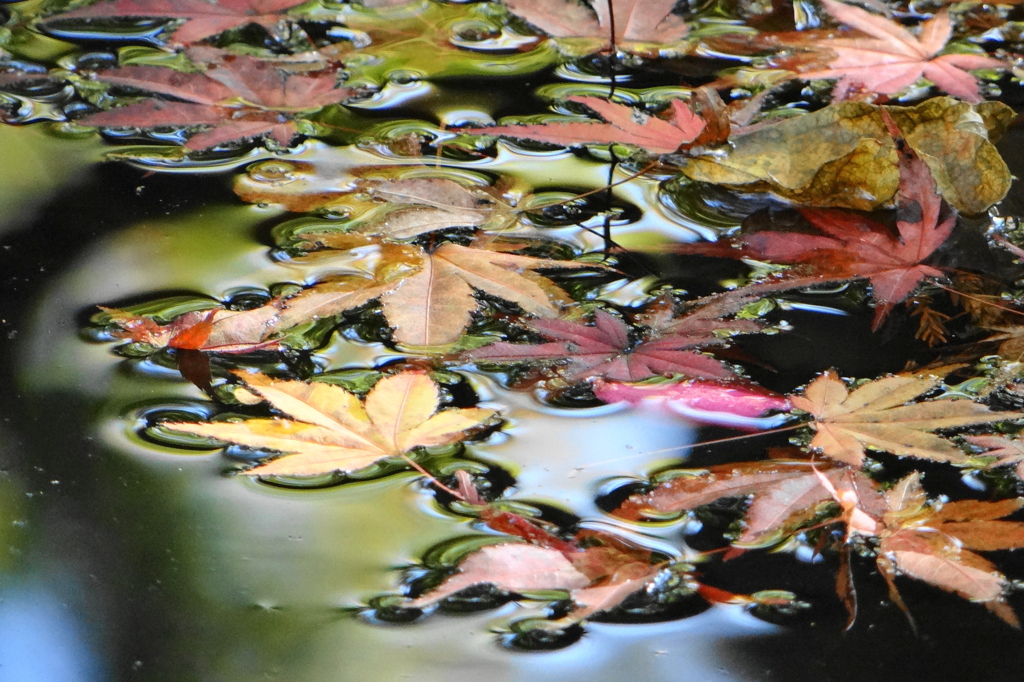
<point>238,96</point>
<point>598,569</point>
<point>625,125</point>
<point>734,404</point>
<point>612,350</point>
<point>330,429</point>
<point>785,494</point>
<point>893,58</point>
<point>202,18</point>
<point>635,21</point>
<point>879,414</point>
<point>856,246</point>
<point>219,330</point>
<point>383,210</point>
<point>932,543</point>
<point>512,567</point>
<point>427,297</point>
<point>1005,450</point>
<point>433,304</point>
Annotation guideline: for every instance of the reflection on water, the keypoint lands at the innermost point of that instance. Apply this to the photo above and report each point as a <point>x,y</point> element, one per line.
<point>222,578</point>
<point>42,639</point>
<point>171,569</point>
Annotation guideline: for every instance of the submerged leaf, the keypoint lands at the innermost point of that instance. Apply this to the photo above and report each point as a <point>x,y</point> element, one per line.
<point>1005,450</point>
<point>933,543</point>
<point>843,155</point>
<point>856,246</point>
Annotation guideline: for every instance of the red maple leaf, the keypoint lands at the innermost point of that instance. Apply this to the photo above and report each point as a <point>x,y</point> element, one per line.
<point>893,58</point>
<point>202,19</point>
<point>612,350</point>
<point>625,125</point>
<point>854,246</point>
<point>237,96</point>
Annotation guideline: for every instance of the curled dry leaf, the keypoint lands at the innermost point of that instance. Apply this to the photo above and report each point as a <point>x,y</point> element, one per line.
<point>737,404</point>
<point>329,429</point>
<point>625,125</point>
<point>243,331</point>
<point>428,297</point>
<point>217,330</point>
<point>880,415</point>
<point>892,58</point>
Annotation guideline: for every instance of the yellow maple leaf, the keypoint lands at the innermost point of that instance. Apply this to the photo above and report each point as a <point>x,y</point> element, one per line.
<point>880,414</point>
<point>331,430</point>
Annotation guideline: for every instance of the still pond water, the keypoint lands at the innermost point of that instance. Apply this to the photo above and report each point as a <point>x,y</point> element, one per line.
<point>126,557</point>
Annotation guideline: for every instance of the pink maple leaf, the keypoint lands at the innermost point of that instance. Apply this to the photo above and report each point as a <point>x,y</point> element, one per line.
<point>892,58</point>
<point>625,125</point>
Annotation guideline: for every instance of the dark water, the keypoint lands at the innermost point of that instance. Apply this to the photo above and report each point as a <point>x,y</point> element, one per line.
<point>125,559</point>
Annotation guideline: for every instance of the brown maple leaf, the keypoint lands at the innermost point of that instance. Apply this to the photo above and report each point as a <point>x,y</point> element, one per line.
<point>1006,450</point>
<point>635,21</point>
<point>427,297</point>
<point>892,58</point>
<point>329,429</point>
<point>879,414</point>
<point>785,494</point>
<point>235,96</point>
<point>933,543</point>
<point>432,304</point>
<point>202,18</point>
<point>625,125</point>
<point>381,209</point>
<point>597,568</point>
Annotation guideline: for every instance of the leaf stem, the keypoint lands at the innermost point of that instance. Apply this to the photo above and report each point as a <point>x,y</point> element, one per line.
<point>979,300</point>
<point>433,479</point>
